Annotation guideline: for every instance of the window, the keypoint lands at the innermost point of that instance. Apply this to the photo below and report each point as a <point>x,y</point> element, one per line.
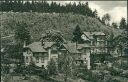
<point>54,52</point>
<point>42,60</point>
<point>27,60</point>
<point>42,66</point>
<point>37,60</point>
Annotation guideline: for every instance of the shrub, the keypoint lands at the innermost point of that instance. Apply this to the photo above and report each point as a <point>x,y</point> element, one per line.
<point>52,68</point>
<point>115,71</point>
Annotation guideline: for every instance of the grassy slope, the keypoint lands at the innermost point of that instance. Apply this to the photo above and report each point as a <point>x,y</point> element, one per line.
<point>40,22</point>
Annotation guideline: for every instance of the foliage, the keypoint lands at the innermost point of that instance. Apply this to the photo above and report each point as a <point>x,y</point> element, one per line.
<point>115,71</point>
<point>95,13</point>
<point>123,24</point>
<point>21,32</point>
<point>106,18</point>
<point>114,25</point>
<point>53,35</point>
<point>121,63</point>
<point>52,67</point>
<point>39,23</point>
<point>45,7</point>
<point>67,66</point>
<point>77,35</point>
<point>122,40</point>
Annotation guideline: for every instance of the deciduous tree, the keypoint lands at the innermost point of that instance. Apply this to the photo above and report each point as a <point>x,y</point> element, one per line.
<point>106,18</point>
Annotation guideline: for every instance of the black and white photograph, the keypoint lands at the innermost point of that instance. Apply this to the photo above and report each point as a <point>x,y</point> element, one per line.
<point>64,40</point>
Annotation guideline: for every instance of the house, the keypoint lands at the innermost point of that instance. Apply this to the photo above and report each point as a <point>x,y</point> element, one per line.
<point>85,54</point>
<point>79,52</point>
<point>40,53</point>
<point>97,42</point>
<point>97,45</point>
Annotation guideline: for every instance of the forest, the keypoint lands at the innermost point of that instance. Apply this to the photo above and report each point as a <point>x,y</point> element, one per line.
<point>45,7</point>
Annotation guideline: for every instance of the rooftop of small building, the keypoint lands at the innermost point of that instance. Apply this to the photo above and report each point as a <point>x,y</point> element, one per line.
<point>71,47</point>
<point>36,47</point>
<point>94,33</point>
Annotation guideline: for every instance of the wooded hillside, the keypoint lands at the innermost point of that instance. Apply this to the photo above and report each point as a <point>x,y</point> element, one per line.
<point>39,23</point>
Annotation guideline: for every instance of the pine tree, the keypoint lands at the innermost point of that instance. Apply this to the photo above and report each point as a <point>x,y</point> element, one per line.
<point>122,23</point>
<point>95,13</point>
<point>77,35</point>
<point>21,32</point>
<point>125,35</point>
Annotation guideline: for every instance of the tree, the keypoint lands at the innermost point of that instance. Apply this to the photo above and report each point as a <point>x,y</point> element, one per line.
<point>95,13</point>
<point>106,18</point>
<point>53,35</point>
<point>77,35</point>
<point>21,33</point>
<point>52,67</point>
<point>67,66</point>
<point>114,25</point>
<point>44,6</point>
<point>122,40</point>
<point>123,24</point>
<point>125,35</point>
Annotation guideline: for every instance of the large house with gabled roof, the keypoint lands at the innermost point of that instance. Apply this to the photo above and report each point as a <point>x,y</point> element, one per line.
<point>79,52</point>
<point>97,41</point>
<point>40,53</point>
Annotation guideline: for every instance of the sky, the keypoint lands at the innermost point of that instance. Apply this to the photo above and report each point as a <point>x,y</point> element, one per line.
<point>116,9</point>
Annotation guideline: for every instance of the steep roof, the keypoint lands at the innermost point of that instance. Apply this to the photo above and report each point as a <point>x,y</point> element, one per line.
<point>36,47</point>
<point>90,34</point>
<point>80,46</point>
<point>48,44</point>
<point>71,47</point>
<point>94,33</point>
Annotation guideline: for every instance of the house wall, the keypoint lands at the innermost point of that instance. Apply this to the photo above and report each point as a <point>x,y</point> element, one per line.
<point>46,59</point>
<point>85,56</point>
<point>28,55</point>
<point>54,52</point>
<point>99,43</point>
<point>41,61</point>
<point>84,37</point>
